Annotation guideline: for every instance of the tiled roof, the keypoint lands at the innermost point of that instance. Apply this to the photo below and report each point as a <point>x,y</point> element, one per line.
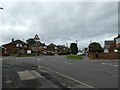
<point>118,36</point>
<point>109,42</point>
<point>16,42</point>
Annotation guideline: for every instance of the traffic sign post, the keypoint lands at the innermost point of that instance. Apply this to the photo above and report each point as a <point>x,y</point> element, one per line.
<point>36,38</point>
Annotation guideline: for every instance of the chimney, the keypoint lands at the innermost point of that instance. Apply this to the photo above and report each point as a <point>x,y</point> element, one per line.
<point>13,40</point>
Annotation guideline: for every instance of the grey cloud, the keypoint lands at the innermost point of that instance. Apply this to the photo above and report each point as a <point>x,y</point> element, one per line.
<point>58,22</point>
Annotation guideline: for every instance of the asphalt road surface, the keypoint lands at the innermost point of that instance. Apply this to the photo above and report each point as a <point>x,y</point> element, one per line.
<point>92,74</point>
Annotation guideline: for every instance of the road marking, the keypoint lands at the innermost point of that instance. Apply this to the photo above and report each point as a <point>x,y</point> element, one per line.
<point>39,59</point>
<point>68,77</point>
<point>26,75</point>
<point>36,74</point>
<point>104,63</point>
<point>9,81</point>
<point>67,63</point>
<point>115,65</point>
<point>110,64</point>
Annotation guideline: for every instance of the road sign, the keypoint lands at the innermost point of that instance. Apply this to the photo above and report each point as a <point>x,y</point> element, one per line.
<point>36,37</point>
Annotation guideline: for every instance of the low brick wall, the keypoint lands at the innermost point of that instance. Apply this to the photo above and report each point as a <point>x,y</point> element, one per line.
<point>110,56</point>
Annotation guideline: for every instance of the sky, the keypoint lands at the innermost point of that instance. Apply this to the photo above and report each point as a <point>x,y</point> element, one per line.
<point>59,22</point>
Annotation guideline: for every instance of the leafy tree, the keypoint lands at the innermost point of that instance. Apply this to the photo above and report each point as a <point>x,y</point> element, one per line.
<point>95,47</point>
<point>30,41</point>
<point>73,48</point>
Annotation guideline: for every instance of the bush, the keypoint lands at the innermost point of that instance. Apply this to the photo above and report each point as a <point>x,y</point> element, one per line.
<point>95,47</point>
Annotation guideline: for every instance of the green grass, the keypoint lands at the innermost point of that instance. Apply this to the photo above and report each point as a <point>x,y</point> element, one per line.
<point>78,57</point>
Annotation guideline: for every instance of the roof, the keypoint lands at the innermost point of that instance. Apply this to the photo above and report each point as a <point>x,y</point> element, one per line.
<point>16,42</point>
<point>52,45</point>
<point>117,36</point>
<point>38,44</point>
<point>108,43</point>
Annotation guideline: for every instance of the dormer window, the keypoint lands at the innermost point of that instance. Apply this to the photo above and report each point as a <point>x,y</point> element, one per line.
<point>18,45</point>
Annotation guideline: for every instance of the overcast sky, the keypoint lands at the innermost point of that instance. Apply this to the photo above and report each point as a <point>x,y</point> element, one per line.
<point>58,22</point>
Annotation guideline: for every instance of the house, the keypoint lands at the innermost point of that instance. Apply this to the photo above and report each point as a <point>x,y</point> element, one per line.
<point>62,48</point>
<point>40,47</point>
<point>117,39</point>
<point>109,46</point>
<point>52,47</point>
<point>15,45</point>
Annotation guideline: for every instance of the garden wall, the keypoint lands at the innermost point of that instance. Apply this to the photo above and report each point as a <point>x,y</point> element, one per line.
<point>110,56</point>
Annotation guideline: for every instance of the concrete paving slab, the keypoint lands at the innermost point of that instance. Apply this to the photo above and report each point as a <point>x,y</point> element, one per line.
<point>26,75</point>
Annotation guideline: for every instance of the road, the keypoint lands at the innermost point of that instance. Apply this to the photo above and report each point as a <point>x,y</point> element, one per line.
<point>95,74</point>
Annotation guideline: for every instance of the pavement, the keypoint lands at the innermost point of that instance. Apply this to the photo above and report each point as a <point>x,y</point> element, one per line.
<point>62,72</point>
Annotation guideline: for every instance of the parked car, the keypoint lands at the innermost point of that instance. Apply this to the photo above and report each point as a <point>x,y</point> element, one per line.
<point>5,53</point>
<point>80,53</point>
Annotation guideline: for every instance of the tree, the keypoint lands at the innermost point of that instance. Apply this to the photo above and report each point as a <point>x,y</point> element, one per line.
<point>95,47</point>
<point>73,48</point>
<point>30,41</point>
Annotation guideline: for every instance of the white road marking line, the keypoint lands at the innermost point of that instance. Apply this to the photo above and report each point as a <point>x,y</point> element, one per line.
<point>36,74</point>
<point>67,62</point>
<point>104,63</point>
<point>110,64</point>
<point>39,59</point>
<point>9,81</point>
<point>115,65</point>
<point>68,77</point>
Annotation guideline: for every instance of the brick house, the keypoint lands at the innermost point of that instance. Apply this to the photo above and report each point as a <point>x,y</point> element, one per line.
<point>41,47</point>
<point>52,47</point>
<point>14,44</point>
<point>117,39</point>
<point>109,46</point>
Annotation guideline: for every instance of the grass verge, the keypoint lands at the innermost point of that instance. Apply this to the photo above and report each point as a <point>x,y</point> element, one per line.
<point>79,57</point>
